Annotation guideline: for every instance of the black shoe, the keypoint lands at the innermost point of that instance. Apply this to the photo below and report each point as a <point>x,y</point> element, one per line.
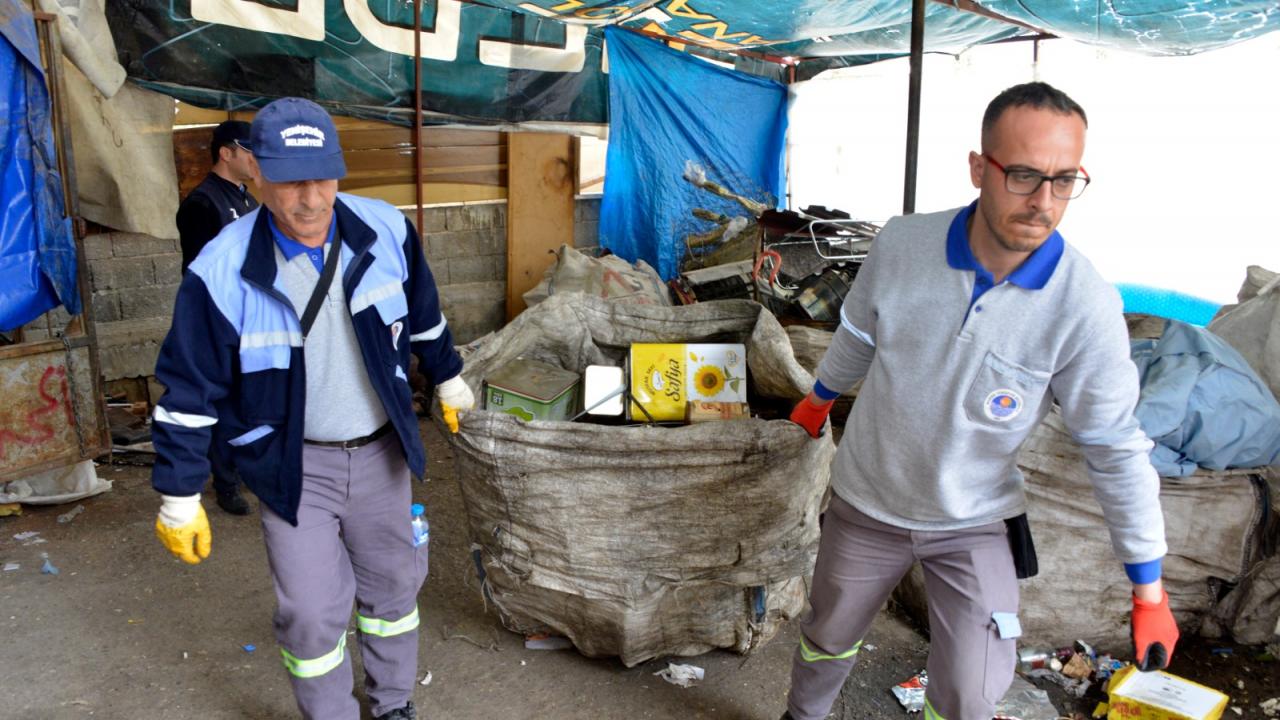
<point>233,502</point>
<point>405,713</point>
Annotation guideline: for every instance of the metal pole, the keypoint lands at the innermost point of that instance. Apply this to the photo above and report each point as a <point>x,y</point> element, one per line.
<point>791,80</point>
<point>913,107</point>
<point>417,112</point>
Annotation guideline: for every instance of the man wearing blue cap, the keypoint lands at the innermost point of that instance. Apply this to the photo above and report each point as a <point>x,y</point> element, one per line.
<point>292,334</point>
<point>219,199</point>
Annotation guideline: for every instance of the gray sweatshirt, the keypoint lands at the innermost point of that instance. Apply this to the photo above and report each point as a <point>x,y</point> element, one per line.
<point>952,392</point>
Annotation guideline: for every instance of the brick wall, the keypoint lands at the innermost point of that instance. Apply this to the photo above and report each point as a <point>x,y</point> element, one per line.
<point>135,278</point>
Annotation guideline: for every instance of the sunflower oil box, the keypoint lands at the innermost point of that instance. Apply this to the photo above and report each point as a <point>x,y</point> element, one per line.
<point>1161,696</point>
<point>666,377</point>
<point>532,390</point>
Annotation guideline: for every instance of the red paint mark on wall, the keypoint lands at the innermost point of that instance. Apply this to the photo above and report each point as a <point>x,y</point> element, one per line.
<point>37,428</point>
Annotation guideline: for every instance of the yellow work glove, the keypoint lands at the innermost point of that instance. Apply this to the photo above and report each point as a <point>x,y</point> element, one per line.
<point>455,395</point>
<point>183,528</point>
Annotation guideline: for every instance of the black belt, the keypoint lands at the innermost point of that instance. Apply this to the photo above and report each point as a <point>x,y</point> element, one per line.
<point>353,443</point>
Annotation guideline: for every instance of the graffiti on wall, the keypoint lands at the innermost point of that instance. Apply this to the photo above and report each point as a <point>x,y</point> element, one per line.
<point>37,418</point>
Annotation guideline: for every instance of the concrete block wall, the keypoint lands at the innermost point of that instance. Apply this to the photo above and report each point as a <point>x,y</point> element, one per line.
<point>134,279</point>
<point>466,247</point>
<point>467,250</point>
<point>586,223</point>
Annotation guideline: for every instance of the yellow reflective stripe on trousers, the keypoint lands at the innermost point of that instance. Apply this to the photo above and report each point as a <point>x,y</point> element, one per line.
<point>930,713</point>
<point>808,655</point>
<point>316,666</point>
<point>387,628</point>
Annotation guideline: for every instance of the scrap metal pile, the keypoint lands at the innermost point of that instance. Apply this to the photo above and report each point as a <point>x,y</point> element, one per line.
<point>800,265</point>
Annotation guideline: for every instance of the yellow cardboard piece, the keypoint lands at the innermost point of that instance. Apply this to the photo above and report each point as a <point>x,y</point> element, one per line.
<point>1161,696</point>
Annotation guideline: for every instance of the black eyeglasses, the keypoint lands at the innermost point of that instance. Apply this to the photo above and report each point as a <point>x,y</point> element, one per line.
<point>1020,181</point>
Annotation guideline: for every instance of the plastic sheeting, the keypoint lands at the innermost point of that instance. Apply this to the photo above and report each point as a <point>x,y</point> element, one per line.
<point>824,29</point>
<point>1203,405</point>
<point>53,487</point>
<point>1153,27</point>
<point>86,41</point>
<point>527,60</point>
<point>37,249</point>
<point>1171,304</point>
<point>673,117</point>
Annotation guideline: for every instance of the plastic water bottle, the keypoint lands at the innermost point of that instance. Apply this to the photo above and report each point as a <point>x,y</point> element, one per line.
<point>421,530</point>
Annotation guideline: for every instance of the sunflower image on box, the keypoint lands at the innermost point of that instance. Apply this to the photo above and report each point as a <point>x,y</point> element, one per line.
<point>666,376</point>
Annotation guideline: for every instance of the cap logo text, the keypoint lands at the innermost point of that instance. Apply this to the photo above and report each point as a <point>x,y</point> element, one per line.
<point>302,136</point>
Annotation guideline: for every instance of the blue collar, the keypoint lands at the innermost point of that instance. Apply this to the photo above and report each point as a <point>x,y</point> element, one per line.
<point>1032,274</point>
<point>290,247</point>
<point>259,265</point>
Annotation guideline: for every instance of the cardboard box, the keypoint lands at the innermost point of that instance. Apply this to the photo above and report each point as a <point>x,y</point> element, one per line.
<point>666,377</point>
<point>703,411</point>
<point>532,390</point>
<point>1161,696</point>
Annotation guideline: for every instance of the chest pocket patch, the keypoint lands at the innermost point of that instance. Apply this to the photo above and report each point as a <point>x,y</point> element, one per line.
<point>1005,394</point>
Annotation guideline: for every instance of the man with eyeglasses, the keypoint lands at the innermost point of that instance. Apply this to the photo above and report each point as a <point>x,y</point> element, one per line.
<point>967,326</point>
<point>219,199</point>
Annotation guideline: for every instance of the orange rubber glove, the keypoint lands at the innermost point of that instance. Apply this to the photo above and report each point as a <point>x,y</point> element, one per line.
<point>1154,633</point>
<point>811,414</point>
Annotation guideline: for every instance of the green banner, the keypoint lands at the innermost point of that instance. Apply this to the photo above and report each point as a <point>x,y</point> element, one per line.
<point>479,63</point>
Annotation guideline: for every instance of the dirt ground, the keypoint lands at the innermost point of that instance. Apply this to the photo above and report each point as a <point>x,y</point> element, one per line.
<point>126,631</point>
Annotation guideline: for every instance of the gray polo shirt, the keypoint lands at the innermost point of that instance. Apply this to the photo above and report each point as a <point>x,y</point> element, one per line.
<point>341,402</point>
<point>955,382</point>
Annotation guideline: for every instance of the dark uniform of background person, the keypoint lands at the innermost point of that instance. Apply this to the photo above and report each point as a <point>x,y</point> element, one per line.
<point>219,199</point>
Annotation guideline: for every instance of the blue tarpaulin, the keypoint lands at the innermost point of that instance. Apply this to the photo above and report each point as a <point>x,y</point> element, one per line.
<point>37,250</point>
<point>1202,404</point>
<point>673,116</point>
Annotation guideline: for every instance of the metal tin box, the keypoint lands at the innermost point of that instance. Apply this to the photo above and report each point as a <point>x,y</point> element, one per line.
<point>532,390</point>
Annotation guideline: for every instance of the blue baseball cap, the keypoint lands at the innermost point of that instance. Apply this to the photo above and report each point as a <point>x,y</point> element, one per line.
<point>295,139</point>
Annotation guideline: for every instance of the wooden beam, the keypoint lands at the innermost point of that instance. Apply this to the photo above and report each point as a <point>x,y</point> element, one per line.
<point>540,193</point>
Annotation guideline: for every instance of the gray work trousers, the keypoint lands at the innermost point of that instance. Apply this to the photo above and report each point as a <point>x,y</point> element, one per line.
<point>969,576</point>
<point>353,542</point>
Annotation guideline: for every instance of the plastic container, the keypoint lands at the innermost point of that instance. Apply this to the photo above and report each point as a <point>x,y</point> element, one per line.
<point>421,529</point>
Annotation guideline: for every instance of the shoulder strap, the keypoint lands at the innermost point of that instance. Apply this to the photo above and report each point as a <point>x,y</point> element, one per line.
<point>322,287</point>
